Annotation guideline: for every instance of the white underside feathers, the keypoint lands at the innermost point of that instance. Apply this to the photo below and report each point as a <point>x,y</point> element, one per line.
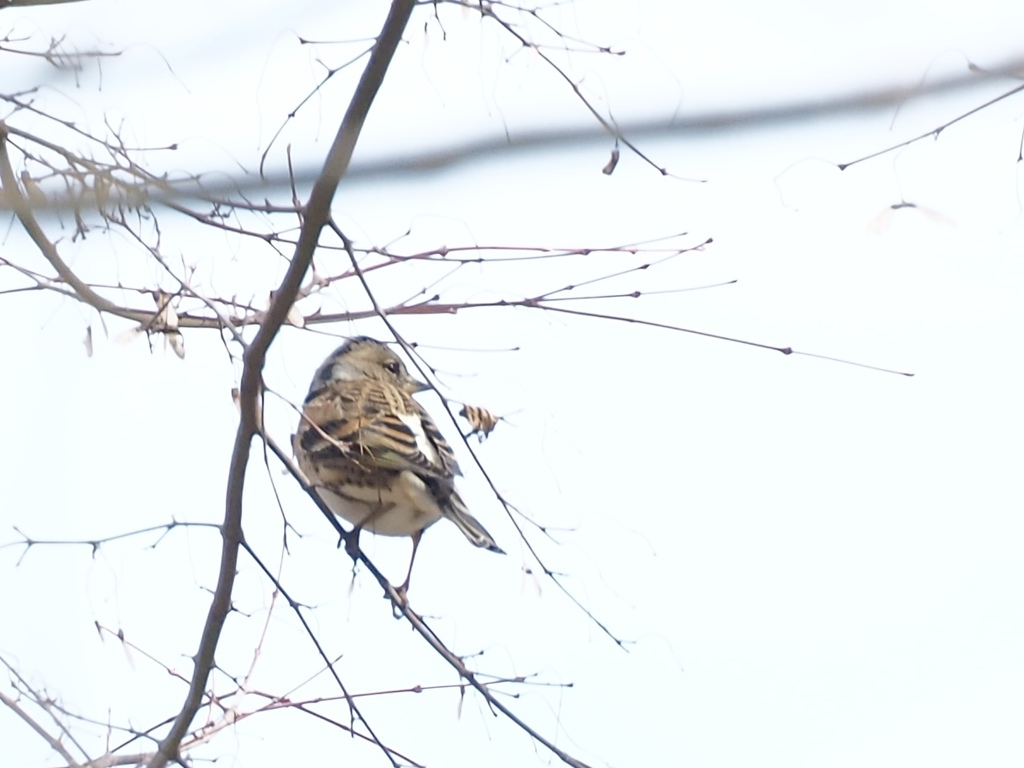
<point>400,510</point>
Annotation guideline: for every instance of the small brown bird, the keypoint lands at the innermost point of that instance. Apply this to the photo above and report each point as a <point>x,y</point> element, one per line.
<point>373,454</point>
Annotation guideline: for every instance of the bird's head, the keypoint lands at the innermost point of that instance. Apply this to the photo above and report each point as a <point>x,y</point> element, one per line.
<point>364,358</point>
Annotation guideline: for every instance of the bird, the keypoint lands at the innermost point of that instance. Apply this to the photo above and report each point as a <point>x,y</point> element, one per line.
<point>374,455</point>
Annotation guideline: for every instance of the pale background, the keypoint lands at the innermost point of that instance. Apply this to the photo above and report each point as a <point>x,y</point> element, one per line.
<point>820,564</point>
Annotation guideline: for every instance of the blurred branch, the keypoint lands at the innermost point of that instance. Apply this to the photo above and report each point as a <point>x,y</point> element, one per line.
<point>27,3</point>
<point>467,150</point>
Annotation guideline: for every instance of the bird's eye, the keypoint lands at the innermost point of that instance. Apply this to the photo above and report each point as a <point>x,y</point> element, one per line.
<point>393,367</point>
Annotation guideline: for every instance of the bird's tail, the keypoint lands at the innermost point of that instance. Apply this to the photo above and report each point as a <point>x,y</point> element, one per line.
<point>455,510</point>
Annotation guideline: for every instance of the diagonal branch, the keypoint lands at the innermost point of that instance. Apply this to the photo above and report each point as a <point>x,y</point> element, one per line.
<point>317,213</point>
<point>444,652</point>
<point>54,743</point>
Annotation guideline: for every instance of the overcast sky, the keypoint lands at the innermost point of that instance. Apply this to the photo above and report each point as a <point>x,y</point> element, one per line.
<point>819,563</point>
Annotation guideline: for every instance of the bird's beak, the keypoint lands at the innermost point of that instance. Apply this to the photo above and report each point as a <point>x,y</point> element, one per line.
<point>417,385</point>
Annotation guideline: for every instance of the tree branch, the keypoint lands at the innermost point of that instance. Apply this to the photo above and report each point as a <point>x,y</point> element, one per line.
<point>54,743</point>
<point>317,214</point>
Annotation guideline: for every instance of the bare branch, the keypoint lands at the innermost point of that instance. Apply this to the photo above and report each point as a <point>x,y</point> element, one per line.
<point>54,743</point>
<point>317,214</point>
<point>934,132</point>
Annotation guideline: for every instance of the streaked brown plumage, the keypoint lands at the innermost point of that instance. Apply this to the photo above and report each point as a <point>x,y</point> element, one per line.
<point>374,454</point>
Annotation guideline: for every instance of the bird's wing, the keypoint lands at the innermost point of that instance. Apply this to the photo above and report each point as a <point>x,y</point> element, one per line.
<point>375,426</point>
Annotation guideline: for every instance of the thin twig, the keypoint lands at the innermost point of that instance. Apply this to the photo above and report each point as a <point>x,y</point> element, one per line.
<point>934,132</point>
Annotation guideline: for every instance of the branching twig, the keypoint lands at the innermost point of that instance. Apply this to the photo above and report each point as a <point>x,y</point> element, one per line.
<point>28,542</point>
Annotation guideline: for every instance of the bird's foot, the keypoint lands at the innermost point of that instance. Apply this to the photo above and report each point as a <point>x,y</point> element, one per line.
<point>351,540</point>
<point>400,600</point>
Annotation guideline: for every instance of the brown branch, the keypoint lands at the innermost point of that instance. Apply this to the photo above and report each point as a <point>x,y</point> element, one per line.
<point>437,308</point>
<point>54,743</point>
<point>316,215</point>
<point>44,702</point>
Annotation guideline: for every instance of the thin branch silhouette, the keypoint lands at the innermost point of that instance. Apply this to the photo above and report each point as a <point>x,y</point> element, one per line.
<point>934,132</point>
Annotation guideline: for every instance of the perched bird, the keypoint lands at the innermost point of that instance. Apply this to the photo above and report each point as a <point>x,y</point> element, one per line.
<point>373,453</point>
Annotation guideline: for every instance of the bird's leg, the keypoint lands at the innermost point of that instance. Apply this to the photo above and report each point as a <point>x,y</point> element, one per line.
<point>402,590</point>
<point>352,539</point>
<point>397,609</point>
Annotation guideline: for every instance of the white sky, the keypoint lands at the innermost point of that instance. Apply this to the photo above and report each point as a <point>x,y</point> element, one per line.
<point>820,563</point>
